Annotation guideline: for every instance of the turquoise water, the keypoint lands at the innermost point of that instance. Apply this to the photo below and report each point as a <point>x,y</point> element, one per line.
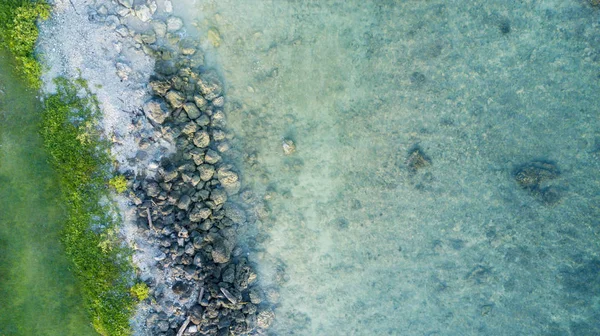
<point>38,294</point>
<point>360,243</point>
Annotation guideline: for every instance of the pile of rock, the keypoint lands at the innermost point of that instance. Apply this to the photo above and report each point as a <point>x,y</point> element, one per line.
<point>187,209</point>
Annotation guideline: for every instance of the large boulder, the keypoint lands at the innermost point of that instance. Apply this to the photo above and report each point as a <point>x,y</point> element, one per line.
<point>157,111</point>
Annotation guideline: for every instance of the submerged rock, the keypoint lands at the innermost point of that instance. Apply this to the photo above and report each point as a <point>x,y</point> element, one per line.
<point>156,111</point>
<point>417,160</point>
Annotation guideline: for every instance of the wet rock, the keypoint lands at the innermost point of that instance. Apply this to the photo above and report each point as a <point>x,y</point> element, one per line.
<point>189,128</point>
<point>192,111</point>
<point>162,325</point>
<point>212,157</point>
<point>160,28</point>
<point>196,314</point>
<point>175,98</point>
<point>143,13</point>
<point>201,139</point>
<point>125,3</point>
<point>235,213</point>
<point>174,24</point>
<point>218,196</point>
<point>179,287</point>
<point>199,213</point>
<point>184,202</point>
<point>203,120</point>
<point>210,85</point>
<point>220,253</point>
<point>229,180</point>
<point>152,189</point>
<point>156,111</point>
<point>159,87</point>
<point>200,102</point>
<point>417,160</point>
<point>165,67</point>
<point>288,147</point>
<point>265,318</point>
<point>531,175</point>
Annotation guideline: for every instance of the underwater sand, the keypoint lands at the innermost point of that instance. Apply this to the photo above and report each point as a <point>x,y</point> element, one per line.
<point>361,244</point>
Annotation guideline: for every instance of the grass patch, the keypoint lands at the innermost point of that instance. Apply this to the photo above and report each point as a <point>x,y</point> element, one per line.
<point>82,162</point>
<point>18,30</point>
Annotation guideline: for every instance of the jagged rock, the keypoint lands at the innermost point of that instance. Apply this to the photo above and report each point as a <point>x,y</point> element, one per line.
<point>265,318</point>
<point>184,202</point>
<point>189,128</point>
<point>192,111</point>
<point>143,13</point>
<point>199,213</point>
<point>219,196</point>
<point>229,180</point>
<point>196,314</point>
<point>202,139</point>
<point>175,98</point>
<point>212,157</point>
<point>156,111</point>
<point>160,28</point>
<point>174,24</point>
<point>220,253</point>
<point>200,102</point>
<point>210,85</point>
<point>152,189</point>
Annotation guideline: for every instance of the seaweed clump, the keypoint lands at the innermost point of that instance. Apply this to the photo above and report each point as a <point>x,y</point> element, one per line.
<point>534,177</point>
<point>19,32</point>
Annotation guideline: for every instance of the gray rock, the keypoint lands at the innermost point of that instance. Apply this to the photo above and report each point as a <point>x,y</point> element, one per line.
<point>148,38</point>
<point>236,214</point>
<point>196,314</point>
<point>210,85</point>
<point>220,253</point>
<point>160,28</point>
<point>192,111</point>
<point>156,110</point>
<point>200,102</point>
<point>203,120</point>
<point>189,128</point>
<point>212,157</point>
<point>219,196</point>
<point>229,180</point>
<point>202,139</point>
<point>174,24</point>
<point>160,87</point>
<point>218,102</point>
<point>175,98</point>
<point>126,3</point>
<point>199,213</point>
<point>184,202</point>
<point>265,318</point>
<point>143,13</point>
<point>255,296</point>
<point>206,172</point>
<point>152,189</point>
<point>162,325</point>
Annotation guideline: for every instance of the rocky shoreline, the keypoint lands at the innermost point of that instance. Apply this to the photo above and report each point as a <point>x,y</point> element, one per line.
<point>171,142</point>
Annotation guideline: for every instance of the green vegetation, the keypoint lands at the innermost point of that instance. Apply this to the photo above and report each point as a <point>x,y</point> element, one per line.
<point>140,291</point>
<point>82,162</point>
<point>119,183</point>
<point>19,32</point>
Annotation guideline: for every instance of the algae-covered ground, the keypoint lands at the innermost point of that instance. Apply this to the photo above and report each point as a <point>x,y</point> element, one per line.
<point>38,292</point>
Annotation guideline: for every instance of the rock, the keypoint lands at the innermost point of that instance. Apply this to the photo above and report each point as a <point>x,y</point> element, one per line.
<point>160,28</point>
<point>125,3</point>
<point>236,214</point>
<point>165,67</point>
<point>143,13</point>
<point>417,160</point>
<point>123,70</point>
<point>203,120</point>
<point>189,128</point>
<point>206,172</point>
<point>212,157</point>
<point>199,213</point>
<point>192,111</point>
<point>159,87</point>
<point>210,85</point>
<point>168,6</point>
<point>218,102</point>
<point>184,202</point>
<point>219,196</point>
<point>160,256</point>
<point>531,175</point>
<point>229,180</point>
<point>156,110</point>
<point>162,325</point>
<point>175,98</point>
<point>174,24</point>
<point>148,38</point>
<point>288,147</point>
<point>220,253</point>
<point>179,287</point>
<point>255,296</point>
<point>201,103</point>
<point>202,139</point>
<point>265,318</point>
<point>196,314</point>
<point>152,189</point>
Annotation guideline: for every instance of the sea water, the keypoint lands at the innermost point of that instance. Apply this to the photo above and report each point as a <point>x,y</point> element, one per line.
<point>38,293</point>
<point>356,238</point>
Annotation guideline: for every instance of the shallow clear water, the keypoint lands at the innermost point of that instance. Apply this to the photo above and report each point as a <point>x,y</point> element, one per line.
<point>38,295</point>
<point>360,243</point>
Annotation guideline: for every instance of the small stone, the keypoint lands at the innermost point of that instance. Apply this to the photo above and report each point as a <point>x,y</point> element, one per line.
<point>212,157</point>
<point>162,325</point>
<point>200,102</point>
<point>174,24</point>
<point>148,38</point>
<point>160,28</point>
<point>265,318</point>
<point>206,172</point>
<point>196,314</point>
<point>156,111</point>
<point>126,3</point>
<point>179,287</point>
<point>189,128</point>
<point>175,98</point>
<point>218,196</point>
<point>201,139</point>
<point>123,70</point>
<point>220,252</point>
<point>143,13</point>
<point>532,174</point>
<point>192,111</point>
<point>184,202</point>
<point>218,102</point>
<point>168,6</point>
<point>288,147</point>
<point>159,87</point>
<point>214,37</point>
<point>199,213</point>
<point>229,180</point>
<point>160,256</point>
